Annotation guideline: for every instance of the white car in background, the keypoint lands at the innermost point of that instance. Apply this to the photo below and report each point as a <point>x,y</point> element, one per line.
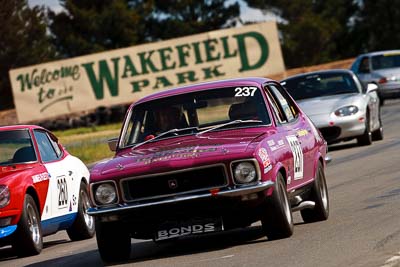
<point>381,68</point>
<point>339,105</point>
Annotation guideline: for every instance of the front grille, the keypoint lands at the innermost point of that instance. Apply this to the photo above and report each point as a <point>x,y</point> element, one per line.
<point>165,184</point>
<point>330,133</point>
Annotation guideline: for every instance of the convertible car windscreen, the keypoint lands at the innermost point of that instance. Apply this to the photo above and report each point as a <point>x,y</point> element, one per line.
<point>16,147</point>
<point>319,85</point>
<point>195,111</point>
<point>386,61</point>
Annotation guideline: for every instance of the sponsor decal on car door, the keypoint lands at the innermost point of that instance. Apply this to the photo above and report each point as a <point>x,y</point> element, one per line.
<point>62,195</point>
<point>298,159</point>
<point>63,186</point>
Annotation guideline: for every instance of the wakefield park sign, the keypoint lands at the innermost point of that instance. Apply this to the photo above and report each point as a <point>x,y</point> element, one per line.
<point>125,75</point>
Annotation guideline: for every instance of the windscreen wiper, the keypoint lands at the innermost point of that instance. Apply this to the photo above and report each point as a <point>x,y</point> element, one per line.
<point>227,124</point>
<point>171,131</point>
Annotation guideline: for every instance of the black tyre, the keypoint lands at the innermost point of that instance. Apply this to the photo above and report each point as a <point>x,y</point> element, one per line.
<point>113,241</point>
<point>83,226</point>
<point>28,239</point>
<point>377,135</point>
<point>319,194</point>
<point>277,218</point>
<point>366,138</point>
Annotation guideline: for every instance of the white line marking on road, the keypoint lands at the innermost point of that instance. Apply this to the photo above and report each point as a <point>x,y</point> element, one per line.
<point>393,261</point>
<point>219,258</point>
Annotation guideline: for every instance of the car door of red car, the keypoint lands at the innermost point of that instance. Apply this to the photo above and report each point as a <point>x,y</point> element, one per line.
<point>58,197</point>
<point>298,135</point>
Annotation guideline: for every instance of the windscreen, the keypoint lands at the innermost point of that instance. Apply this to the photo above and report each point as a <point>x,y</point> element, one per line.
<point>319,85</point>
<point>386,61</point>
<point>16,147</point>
<point>194,111</point>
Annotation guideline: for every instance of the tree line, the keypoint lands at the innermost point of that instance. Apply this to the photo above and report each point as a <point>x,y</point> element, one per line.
<point>311,31</point>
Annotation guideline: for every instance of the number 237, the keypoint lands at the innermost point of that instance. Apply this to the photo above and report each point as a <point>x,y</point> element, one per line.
<point>245,91</point>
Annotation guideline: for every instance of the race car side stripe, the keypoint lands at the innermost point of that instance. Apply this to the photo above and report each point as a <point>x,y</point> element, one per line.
<point>58,223</point>
<point>8,230</point>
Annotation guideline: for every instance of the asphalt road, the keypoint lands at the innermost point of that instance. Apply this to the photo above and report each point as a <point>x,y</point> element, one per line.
<point>363,228</point>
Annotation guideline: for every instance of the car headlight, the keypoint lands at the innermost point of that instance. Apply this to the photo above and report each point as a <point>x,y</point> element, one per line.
<point>244,172</point>
<point>4,196</point>
<point>346,111</point>
<point>105,194</point>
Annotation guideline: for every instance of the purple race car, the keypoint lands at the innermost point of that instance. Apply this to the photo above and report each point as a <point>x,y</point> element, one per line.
<point>206,158</point>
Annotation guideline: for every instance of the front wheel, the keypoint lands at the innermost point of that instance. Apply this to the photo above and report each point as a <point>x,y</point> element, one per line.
<point>276,217</point>
<point>113,241</point>
<point>366,138</point>
<point>28,239</point>
<point>377,135</point>
<point>83,226</point>
<point>319,194</point>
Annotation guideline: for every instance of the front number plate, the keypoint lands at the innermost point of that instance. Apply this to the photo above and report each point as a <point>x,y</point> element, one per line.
<point>174,229</point>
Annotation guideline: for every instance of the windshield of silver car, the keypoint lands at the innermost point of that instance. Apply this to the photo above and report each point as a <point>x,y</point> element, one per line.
<point>192,112</point>
<point>320,85</point>
<point>386,61</point>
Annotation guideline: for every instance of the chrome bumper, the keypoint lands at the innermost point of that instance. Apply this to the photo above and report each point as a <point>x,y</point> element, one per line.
<point>224,192</point>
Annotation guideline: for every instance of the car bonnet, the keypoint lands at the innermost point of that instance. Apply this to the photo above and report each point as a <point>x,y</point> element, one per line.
<point>182,152</point>
<point>327,104</point>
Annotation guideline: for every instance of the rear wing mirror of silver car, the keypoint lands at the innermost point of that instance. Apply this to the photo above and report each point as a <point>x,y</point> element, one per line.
<point>112,144</point>
<point>371,87</point>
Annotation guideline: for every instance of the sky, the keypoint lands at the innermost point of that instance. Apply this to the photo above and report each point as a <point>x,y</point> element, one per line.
<point>53,4</point>
<point>247,13</point>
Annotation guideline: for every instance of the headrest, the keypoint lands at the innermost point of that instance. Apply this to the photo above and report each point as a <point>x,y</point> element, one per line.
<point>243,111</point>
<point>24,154</point>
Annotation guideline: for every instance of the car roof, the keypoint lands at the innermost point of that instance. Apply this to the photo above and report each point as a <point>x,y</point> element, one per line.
<point>205,86</point>
<point>20,127</point>
<point>377,53</point>
<point>319,72</point>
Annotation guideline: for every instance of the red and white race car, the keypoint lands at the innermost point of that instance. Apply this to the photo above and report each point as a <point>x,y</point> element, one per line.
<point>43,189</point>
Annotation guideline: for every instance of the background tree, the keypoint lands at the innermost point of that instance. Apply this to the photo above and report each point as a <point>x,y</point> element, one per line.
<point>376,25</point>
<point>23,42</point>
<point>312,31</point>
<point>176,18</point>
<point>90,26</point>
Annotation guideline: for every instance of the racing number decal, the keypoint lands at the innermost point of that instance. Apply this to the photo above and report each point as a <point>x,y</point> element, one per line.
<point>62,192</point>
<point>297,156</point>
<point>245,91</point>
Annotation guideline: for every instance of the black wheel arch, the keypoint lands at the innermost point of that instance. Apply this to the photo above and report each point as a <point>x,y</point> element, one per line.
<point>32,192</point>
<point>282,171</point>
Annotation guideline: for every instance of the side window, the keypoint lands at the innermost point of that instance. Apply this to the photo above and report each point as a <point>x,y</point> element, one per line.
<point>46,148</point>
<point>285,103</point>
<point>364,65</point>
<point>276,107</point>
<point>56,147</point>
<point>355,65</point>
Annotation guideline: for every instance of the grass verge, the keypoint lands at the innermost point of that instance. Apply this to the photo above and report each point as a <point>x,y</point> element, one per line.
<point>89,143</point>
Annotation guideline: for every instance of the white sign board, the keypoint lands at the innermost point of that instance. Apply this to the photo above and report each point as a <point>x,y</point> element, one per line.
<point>125,75</point>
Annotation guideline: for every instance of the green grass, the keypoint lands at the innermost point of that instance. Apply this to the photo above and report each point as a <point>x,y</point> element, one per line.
<point>89,143</point>
<point>90,152</point>
<point>85,130</point>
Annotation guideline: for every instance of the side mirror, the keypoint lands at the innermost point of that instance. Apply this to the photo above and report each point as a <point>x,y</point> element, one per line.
<point>112,144</point>
<point>328,159</point>
<point>371,87</point>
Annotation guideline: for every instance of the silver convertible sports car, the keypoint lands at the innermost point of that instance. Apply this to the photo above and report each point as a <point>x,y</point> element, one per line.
<point>381,68</point>
<point>338,104</point>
